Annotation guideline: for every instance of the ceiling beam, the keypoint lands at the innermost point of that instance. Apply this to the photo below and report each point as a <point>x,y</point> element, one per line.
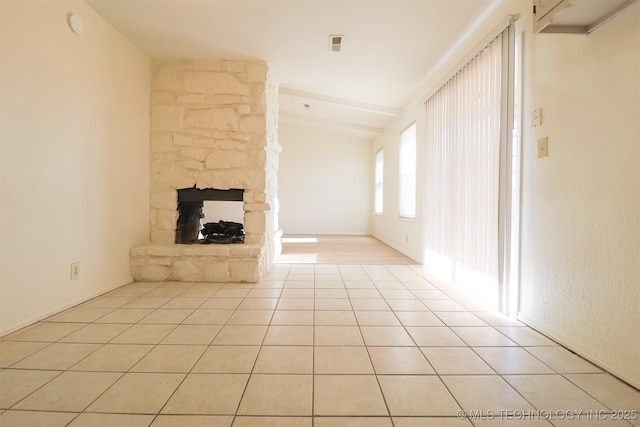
<point>332,123</point>
<point>361,106</point>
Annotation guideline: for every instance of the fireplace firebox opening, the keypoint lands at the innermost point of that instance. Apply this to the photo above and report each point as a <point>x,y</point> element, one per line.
<point>193,210</point>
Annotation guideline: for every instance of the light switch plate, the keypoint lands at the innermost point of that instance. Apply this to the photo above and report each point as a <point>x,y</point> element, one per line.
<point>543,147</point>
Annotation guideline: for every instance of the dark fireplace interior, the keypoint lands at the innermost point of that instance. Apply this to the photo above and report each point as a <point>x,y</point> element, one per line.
<point>190,228</point>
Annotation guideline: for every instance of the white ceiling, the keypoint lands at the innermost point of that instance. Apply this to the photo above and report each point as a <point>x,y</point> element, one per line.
<point>388,49</point>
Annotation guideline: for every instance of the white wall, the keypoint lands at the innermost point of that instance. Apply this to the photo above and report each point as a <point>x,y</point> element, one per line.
<point>580,277</point>
<point>580,242</point>
<point>75,158</point>
<point>325,182</point>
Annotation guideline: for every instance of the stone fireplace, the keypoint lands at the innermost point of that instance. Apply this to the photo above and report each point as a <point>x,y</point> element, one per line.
<point>213,126</point>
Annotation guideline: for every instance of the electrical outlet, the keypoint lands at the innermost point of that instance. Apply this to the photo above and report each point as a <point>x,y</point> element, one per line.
<point>75,270</point>
<point>543,147</point>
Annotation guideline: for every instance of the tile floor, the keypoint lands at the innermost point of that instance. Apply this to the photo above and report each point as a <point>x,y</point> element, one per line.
<point>310,345</point>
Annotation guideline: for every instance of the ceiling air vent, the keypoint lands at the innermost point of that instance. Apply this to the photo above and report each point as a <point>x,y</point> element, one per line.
<point>335,42</point>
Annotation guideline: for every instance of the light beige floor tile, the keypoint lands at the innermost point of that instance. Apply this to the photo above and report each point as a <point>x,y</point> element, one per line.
<point>231,292</point>
<point>337,336</point>
<point>348,395</point>
<point>289,335</point>
<point>144,334</point>
<point>417,395</point>
<point>213,394</point>
<point>295,304</point>
<point>397,294</point>
<point>249,421</point>
<point>355,282</point>
<point>341,360</point>
<point>80,315</point>
<point>364,293</point>
<point>562,360</point>
<point>200,291</point>
<point>125,315</point>
<point>331,293</point>
<point>335,317</point>
<point>104,420</point>
<point>394,336</point>
<point>484,393</point>
<point>505,421</point>
<point>69,392</point>
<point>258,303</point>
<point>456,361</point>
<point>399,361</point>
<point>434,336</point>
<point>35,419</point>
<point>147,302</point>
<point>137,393</point>
<point>192,334</point>
<point>406,305</point>
<point>482,336</point>
<point>208,317</point>
<point>552,392</point>
<point>284,360</point>
<point>96,333</point>
<point>221,304</point>
<point>377,304</point>
<point>289,292</point>
<point>184,303</point>
<point>113,358</point>
<point>167,291</point>
<point>329,282</point>
<point>46,332</point>
<point>494,318</point>
<point>430,294</point>
<point>15,384</point>
<point>264,293</point>
<point>418,318</point>
<point>235,359</point>
<point>292,317</point>
<point>170,358</point>
<point>192,421</point>
<point>332,304</point>
<point>107,302</point>
<point>14,351</point>
<point>250,317</point>
<point>299,284</point>
<point>525,336</point>
<point>512,360</point>
<point>454,318</point>
<point>57,356</point>
<point>377,318</point>
<point>352,422</point>
<point>598,420</point>
<point>134,290</point>
<point>278,395</point>
<point>431,422</point>
<point>443,305</point>
<point>609,390</point>
<point>167,316</point>
<point>240,335</point>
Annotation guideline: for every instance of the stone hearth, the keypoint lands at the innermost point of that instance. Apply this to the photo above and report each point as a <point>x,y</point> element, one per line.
<point>213,125</point>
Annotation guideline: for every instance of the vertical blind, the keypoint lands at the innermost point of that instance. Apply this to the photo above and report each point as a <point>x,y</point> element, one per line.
<point>463,132</point>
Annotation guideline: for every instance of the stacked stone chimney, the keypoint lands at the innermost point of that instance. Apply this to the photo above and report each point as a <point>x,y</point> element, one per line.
<point>213,125</point>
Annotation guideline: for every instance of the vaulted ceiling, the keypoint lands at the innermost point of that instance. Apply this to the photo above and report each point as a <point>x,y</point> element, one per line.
<point>389,47</point>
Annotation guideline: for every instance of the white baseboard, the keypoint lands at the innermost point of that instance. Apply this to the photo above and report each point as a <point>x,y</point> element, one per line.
<point>583,350</point>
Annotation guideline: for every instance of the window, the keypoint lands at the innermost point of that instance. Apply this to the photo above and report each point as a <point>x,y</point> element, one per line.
<point>377,195</point>
<point>407,169</point>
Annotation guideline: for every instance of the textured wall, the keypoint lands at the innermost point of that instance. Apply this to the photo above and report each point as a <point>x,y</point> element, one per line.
<point>580,278</point>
